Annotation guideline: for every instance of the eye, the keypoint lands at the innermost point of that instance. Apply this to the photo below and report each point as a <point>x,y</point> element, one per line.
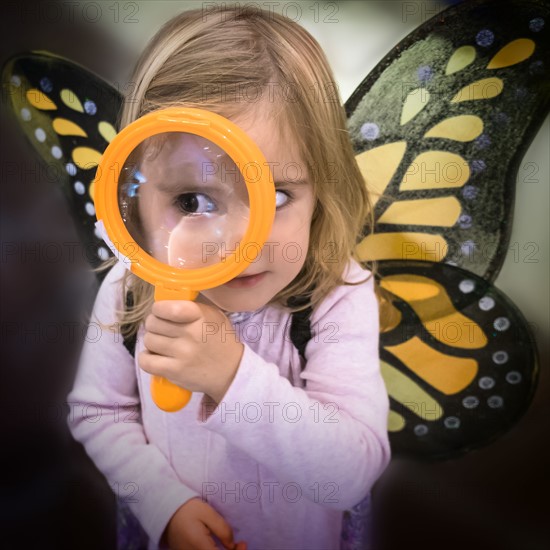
<point>282,198</point>
<point>194,204</point>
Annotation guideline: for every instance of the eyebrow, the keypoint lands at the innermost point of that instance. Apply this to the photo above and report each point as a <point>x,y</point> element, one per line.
<point>187,187</point>
<point>291,182</point>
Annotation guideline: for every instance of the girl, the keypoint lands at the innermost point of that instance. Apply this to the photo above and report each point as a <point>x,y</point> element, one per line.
<point>270,450</point>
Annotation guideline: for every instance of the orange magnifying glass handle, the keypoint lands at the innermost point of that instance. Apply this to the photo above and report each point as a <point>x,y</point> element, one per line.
<point>168,396</point>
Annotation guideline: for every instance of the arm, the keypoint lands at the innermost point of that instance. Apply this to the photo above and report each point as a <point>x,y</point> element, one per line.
<point>297,437</point>
<point>104,417</point>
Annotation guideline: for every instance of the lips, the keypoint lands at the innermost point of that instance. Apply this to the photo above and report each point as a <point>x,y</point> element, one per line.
<point>246,276</point>
<point>245,281</point>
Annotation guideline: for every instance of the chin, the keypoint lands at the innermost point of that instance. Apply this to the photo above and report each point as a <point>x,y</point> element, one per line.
<point>238,303</point>
<point>231,300</point>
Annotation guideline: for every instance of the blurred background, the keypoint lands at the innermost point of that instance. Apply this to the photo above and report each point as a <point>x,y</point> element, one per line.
<point>51,495</point>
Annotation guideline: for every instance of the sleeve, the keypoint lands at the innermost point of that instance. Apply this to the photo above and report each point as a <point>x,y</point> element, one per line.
<point>104,416</point>
<point>335,430</point>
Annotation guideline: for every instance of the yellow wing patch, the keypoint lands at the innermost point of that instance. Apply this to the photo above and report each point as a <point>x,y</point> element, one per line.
<point>435,170</point>
<point>409,393</point>
<point>442,211</point>
<point>462,57</point>
<point>436,312</point>
<point>396,422</point>
<point>414,103</point>
<point>86,158</point>
<point>107,131</point>
<point>515,52</point>
<point>446,373</point>
<point>458,128</point>
<point>407,245</point>
<point>70,99</point>
<point>486,88</point>
<point>66,127</point>
<point>378,166</point>
<point>40,100</point>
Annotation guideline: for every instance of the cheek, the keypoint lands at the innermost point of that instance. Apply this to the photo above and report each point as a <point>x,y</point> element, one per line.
<point>293,223</point>
<point>146,212</point>
<point>153,234</point>
<point>291,249</point>
<point>294,228</point>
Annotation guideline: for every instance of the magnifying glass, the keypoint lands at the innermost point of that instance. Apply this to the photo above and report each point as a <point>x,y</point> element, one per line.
<point>181,194</point>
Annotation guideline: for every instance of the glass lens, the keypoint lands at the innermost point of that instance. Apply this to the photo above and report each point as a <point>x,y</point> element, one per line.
<point>183,200</point>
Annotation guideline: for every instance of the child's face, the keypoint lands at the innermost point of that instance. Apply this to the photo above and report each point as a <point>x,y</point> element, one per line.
<point>178,239</point>
<point>285,251</point>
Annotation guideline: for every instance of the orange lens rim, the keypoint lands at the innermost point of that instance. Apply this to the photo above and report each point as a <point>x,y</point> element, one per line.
<point>242,150</point>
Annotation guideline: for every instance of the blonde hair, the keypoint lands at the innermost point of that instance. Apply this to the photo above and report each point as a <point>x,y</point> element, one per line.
<point>204,59</point>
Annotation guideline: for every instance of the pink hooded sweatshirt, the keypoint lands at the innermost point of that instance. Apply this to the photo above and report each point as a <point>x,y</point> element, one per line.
<point>285,452</point>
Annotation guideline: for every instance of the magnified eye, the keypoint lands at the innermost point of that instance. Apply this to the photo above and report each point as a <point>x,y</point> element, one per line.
<point>194,204</point>
<point>282,198</point>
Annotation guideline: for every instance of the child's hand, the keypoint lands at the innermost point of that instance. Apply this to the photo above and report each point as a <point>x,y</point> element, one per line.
<point>193,345</point>
<point>191,527</point>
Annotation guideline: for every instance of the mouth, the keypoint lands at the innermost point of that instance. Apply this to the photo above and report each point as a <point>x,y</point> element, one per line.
<point>246,281</point>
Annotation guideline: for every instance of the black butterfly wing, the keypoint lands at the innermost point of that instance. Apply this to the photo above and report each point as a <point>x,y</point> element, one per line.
<point>440,127</point>
<point>69,115</point>
<point>457,356</point>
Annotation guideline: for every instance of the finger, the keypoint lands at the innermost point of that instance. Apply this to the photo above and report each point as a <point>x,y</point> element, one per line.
<point>227,545</point>
<point>204,541</point>
<point>158,365</point>
<point>217,524</point>
<point>160,345</point>
<point>163,327</point>
<point>178,311</point>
